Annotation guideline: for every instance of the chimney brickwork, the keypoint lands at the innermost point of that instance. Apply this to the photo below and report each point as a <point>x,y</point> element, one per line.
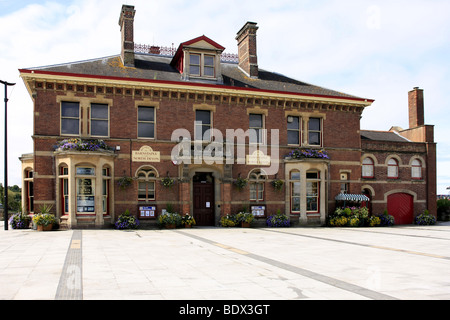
<point>248,59</point>
<point>416,108</point>
<point>126,23</point>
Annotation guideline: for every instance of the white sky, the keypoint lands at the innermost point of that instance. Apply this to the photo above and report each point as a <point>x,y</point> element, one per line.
<point>372,49</point>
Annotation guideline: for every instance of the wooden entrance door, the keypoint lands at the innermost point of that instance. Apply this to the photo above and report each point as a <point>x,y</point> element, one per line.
<point>203,193</point>
<point>401,206</point>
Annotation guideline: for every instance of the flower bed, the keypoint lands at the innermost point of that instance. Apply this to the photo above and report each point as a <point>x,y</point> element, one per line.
<point>358,217</point>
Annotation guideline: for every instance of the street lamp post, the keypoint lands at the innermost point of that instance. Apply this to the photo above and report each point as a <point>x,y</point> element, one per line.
<point>5,187</point>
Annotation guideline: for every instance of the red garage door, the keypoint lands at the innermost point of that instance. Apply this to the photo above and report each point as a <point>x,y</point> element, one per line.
<point>401,206</point>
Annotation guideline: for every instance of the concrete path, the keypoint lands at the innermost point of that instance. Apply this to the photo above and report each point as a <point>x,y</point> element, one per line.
<point>404,262</point>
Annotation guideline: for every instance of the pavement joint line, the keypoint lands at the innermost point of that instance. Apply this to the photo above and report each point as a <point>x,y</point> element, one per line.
<point>303,272</point>
<point>70,283</point>
<point>363,245</point>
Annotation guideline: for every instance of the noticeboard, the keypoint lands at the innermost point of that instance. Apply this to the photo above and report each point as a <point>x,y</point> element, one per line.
<point>147,212</point>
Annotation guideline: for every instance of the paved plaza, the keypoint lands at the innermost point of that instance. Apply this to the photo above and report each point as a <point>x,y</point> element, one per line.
<point>402,262</point>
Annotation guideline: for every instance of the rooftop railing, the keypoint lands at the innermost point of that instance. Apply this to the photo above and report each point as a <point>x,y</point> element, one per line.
<point>170,52</point>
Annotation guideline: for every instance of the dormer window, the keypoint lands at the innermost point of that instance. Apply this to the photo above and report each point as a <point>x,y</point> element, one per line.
<point>201,65</point>
<point>199,60</point>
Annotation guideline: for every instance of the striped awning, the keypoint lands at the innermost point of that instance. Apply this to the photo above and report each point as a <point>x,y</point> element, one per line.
<point>351,197</point>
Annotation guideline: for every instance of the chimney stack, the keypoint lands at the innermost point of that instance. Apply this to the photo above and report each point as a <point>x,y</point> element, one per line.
<point>415,107</point>
<point>126,23</point>
<point>248,59</point>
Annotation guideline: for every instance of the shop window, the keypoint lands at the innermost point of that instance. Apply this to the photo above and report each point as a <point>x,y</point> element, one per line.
<point>147,184</point>
<point>392,169</point>
<point>85,184</point>
<point>99,120</point>
<point>70,118</point>
<point>146,122</point>
<point>312,191</point>
<point>203,125</point>
<point>368,168</point>
<point>256,184</point>
<point>295,191</point>
<point>416,169</point>
<point>315,132</point>
<point>293,130</point>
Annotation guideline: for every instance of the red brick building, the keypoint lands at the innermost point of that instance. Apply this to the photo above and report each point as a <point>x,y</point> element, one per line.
<point>141,131</point>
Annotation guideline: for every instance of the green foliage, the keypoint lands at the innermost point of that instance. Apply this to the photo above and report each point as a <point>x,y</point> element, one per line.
<point>127,221</point>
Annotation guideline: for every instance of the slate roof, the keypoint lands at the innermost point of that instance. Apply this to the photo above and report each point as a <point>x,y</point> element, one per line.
<point>156,67</point>
<point>388,136</point>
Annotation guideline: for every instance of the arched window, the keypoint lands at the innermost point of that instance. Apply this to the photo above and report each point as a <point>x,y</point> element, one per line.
<point>416,169</point>
<point>256,183</point>
<point>312,191</point>
<point>367,168</point>
<point>294,178</point>
<point>147,183</point>
<point>392,169</point>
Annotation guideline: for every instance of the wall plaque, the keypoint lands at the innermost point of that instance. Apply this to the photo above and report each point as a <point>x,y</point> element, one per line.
<point>146,154</point>
<point>258,158</point>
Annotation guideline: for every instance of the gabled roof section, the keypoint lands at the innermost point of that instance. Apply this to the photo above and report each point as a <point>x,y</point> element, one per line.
<point>202,42</point>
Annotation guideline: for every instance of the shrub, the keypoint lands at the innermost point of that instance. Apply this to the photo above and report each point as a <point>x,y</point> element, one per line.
<point>386,220</point>
<point>127,221</point>
<point>20,221</point>
<point>338,221</point>
<point>425,219</point>
<point>374,221</point>
<point>228,221</point>
<point>278,220</point>
<point>169,218</point>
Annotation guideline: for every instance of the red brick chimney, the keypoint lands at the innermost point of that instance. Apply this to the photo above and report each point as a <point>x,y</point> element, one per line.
<point>415,106</point>
<point>126,23</point>
<point>248,59</point>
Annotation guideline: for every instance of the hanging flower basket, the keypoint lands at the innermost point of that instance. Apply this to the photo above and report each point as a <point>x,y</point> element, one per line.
<point>167,182</point>
<point>277,184</point>
<point>240,183</point>
<point>124,182</point>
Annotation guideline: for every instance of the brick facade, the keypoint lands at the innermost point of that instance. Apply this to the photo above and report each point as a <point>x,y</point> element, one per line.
<point>175,104</point>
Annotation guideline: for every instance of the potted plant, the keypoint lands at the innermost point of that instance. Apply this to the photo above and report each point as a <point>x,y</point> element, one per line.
<point>20,221</point>
<point>228,221</point>
<point>278,220</point>
<point>169,220</point>
<point>126,221</point>
<point>188,221</point>
<point>44,220</point>
<point>245,219</point>
<point>425,219</point>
